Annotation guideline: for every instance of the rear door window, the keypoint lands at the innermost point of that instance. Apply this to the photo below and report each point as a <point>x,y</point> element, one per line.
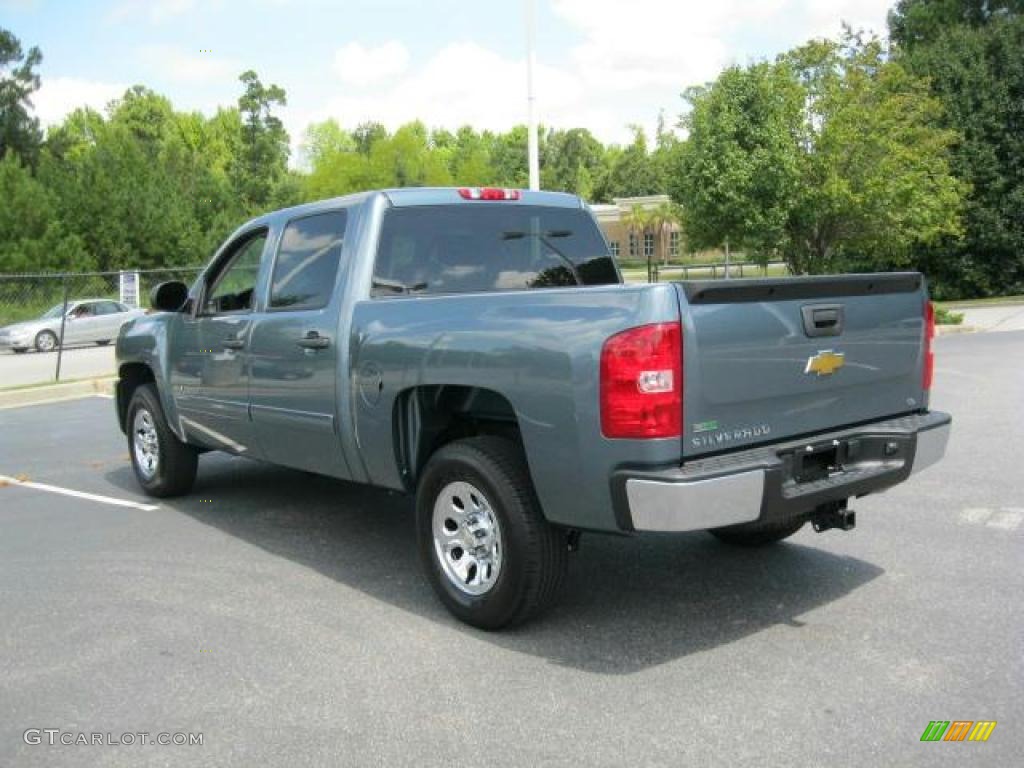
<point>489,247</point>
<point>307,261</point>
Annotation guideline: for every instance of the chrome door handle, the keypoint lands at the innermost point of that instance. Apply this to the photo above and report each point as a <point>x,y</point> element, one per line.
<point>313,340</point>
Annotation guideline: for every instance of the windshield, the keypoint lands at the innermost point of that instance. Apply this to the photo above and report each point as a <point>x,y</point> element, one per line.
<point>54,311</point>
<point>489,247</point>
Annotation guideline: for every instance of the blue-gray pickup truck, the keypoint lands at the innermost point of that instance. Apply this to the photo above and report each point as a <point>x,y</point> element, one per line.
<point>477,348</point>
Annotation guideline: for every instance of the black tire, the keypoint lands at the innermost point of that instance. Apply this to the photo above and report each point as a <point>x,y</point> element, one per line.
<point>175,470</point>
<point>534,553</point>
<point>20,350</point>
<point>758,534</point>
<point>103,343</point>
<point>46,341</point>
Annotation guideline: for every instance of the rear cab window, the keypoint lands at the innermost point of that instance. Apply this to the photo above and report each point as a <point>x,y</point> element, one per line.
<point>486,247</point>
<point>307,262</point>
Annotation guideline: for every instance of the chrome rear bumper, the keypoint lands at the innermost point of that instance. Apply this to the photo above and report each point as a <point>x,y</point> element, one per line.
<point>761,483</point>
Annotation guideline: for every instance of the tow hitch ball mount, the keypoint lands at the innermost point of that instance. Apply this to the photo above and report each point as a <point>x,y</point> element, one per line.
<point>834,515</point>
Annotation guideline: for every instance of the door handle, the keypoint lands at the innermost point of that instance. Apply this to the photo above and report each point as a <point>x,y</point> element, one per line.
<point>822,319</point>
<point>233,342</point>
<point>313,340</point>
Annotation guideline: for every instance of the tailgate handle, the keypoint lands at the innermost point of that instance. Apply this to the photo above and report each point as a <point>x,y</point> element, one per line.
<point>823,319</point>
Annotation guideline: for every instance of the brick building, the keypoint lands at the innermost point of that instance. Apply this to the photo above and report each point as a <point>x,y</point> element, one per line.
<point>627,244</point>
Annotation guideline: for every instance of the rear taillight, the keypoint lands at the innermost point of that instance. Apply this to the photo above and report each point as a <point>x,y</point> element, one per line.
<point>642,382</point>
<point>929,357</point>
<point>488,193</point>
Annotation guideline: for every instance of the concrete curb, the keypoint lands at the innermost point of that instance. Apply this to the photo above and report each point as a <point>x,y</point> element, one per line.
<point>947,330</point>
<point>51,393</point>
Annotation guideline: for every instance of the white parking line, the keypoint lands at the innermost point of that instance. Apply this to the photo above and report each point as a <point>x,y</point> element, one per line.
<point>1007,520</point>
<point>1004,518</point>
<point>4,479</point>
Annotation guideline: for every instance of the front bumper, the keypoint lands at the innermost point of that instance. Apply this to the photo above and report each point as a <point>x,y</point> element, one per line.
<point>6,342</point>
<point>773,483</point>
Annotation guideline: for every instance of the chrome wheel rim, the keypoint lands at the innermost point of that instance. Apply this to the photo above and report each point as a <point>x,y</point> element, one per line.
<point>146,443</point>
<point>46,342</point>
<point>467,538</point>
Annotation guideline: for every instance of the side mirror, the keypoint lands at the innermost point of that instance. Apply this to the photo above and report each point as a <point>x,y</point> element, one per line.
<point>169,297</point>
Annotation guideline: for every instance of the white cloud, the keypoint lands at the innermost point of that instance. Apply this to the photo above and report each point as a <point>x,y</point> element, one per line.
<point>199,66</point>
<point>361,66</point>
<point>626,62</point>
<point>823,18</point>
<point>60,95</point>
<point>466,83</point>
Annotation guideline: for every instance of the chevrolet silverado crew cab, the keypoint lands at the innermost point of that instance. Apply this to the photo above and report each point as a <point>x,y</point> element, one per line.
<point>478,349</point>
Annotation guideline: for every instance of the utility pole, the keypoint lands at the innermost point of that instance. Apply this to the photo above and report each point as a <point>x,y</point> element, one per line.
<point>531,60</point>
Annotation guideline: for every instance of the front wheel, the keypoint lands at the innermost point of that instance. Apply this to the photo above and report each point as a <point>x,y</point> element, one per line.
<point>164,466</point>
<point>757,534</point>
<point>46,341</point>
<point>489,554</point>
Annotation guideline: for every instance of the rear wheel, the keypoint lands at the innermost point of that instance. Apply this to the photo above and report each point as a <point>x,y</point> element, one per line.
<point>46,341</point>
<point>758,534</point>
<point>489,554</point>
<point>20,350</point>
<point>164,466</point>
<point>103,343</point>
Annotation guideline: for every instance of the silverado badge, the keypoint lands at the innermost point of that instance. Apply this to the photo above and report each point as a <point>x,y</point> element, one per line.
<point>825,363</point>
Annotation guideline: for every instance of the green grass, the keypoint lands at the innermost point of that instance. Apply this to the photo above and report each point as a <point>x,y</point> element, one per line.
<point>944,316</point>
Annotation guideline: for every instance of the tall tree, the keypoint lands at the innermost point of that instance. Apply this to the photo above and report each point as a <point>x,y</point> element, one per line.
<point>32,237</point>
<point>738,174</point>
<point>19,129</point>
<point>264,158</point>
<point>634,173</point>
<point>572,160</point>
<point>324,139</point>
<point>972,53</point>
<point>831,156</point>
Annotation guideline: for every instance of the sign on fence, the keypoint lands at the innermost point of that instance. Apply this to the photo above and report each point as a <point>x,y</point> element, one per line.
<point>129,288</point>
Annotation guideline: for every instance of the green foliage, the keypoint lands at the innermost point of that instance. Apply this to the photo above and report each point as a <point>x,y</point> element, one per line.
<point>33,237</point>
<point>830,156</point>
<point>739,174</point>
<point>19,130</point>
<point>945,316</point>
<point>972,53</point>
<point>263,160</point>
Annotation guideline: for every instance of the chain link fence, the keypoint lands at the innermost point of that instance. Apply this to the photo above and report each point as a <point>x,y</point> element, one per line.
<point>28,296</point>
<point>46,297</point>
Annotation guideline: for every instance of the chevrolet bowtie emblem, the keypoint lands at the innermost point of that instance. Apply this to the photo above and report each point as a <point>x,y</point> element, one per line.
<point>825,363</point>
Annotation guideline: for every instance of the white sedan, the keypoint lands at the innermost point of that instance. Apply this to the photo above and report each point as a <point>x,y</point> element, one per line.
<point>88,321</point>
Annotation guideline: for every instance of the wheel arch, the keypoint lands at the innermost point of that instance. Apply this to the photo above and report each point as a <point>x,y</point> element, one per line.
<point>428,417</point>
<point>130,376</point>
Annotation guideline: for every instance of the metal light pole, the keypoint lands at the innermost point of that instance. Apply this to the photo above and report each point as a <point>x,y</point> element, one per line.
<point>531,60</point>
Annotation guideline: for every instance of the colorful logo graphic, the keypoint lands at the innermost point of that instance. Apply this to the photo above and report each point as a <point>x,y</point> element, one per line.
<point>958,730</point>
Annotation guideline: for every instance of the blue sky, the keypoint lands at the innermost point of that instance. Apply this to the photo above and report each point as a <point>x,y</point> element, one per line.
<point>602,64</point>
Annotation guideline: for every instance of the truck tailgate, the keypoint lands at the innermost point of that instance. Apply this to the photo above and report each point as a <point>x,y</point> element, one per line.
<point>765,360</point>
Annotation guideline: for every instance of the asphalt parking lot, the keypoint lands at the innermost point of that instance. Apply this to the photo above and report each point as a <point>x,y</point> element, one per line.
<point>284,617</point>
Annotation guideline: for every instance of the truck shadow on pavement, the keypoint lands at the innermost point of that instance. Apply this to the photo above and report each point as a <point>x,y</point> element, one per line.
<point>629,603</point>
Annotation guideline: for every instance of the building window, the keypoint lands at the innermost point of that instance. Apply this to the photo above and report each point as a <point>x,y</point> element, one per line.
<point>614,245</point>
<point>648,244</point>
<point>673,243</point>
<point>632,244</point>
